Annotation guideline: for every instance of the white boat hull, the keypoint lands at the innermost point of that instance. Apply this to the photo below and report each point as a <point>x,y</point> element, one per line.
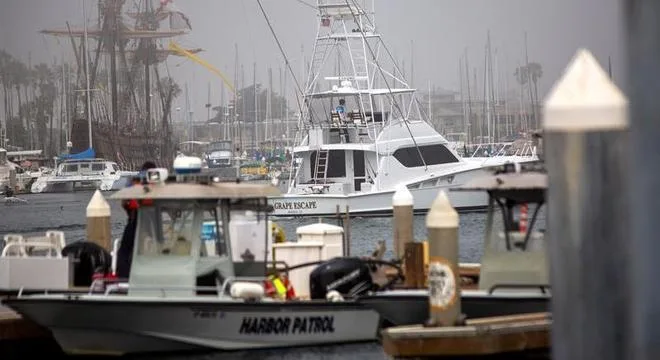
<point>379,203</point>
<point>55,185</point>
<point>109,325</point>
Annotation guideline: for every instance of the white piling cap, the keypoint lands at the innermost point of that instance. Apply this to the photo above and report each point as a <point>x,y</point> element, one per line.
<point>441,214</point>
<point>97,206</point>
<point>402,197</point>
<point>584,99</point>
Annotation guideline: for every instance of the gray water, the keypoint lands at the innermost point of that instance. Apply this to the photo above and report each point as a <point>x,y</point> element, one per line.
<point>66,212</point>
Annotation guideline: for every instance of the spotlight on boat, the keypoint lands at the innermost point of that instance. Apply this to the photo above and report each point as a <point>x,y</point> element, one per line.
<point>158,175</point>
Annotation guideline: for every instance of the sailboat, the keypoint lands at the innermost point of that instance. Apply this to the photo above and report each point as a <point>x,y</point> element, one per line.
<point>363,133</point>
<point>128,101</point>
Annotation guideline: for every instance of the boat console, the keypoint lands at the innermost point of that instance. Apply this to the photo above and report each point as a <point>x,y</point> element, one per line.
<point>514,257</point>
<point>175,213</point>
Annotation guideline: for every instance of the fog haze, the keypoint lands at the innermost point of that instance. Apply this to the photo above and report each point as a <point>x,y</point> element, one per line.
<point>434,33</point>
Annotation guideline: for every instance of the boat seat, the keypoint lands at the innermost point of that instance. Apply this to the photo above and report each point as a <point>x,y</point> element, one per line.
<point>16,248</point>
<point>335,119</point>
<point>356,117</point>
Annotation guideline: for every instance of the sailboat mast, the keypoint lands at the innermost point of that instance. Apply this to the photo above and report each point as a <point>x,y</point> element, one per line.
<point>147,73</point>
<point>111,12</point>
<point>208,103</point>
<point>255,136</point>
<point>468,124</point>
<point>87,93</point>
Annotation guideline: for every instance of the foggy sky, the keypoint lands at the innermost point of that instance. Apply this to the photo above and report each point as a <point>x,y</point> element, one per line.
<point>440,30</point>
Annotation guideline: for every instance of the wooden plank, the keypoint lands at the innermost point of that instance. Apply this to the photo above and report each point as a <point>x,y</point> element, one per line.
<point>419,341</point>
<point>508,319</point>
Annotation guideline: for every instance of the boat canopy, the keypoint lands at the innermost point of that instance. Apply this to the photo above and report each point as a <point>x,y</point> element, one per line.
<point>85,155</point>
<point>520,187</point>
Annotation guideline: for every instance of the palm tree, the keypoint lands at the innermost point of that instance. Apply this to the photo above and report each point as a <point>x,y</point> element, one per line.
<point>522,75</point>
<point>45,82</point>
<point>19,77</point>
<point>5,79</point>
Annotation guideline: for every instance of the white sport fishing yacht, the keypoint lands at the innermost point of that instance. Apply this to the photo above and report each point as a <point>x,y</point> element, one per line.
<point>363,133</point>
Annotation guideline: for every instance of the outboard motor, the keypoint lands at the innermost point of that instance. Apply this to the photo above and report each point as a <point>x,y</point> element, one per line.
<point>348,276</point>
<point>88,258</point>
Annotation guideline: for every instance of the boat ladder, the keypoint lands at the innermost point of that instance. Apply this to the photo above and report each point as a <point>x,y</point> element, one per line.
<point>321,166</point>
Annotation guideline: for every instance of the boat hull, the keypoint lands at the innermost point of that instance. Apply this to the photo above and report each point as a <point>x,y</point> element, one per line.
<point>103,325</point>
<point>61,186</point>
<point>411,307</point>
<point>379,203</point>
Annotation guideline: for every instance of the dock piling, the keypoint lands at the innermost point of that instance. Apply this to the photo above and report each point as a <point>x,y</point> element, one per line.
<point>443,278</point>
<point>642,34</point>
<point>586,144</point>
<point>402,208</point>
<point>98,221</point>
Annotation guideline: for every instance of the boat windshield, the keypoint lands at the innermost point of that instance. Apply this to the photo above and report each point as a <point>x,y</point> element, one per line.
<point>171,230</point>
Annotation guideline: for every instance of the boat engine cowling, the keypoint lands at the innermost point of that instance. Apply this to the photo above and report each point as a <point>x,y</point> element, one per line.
<point>348,276</point>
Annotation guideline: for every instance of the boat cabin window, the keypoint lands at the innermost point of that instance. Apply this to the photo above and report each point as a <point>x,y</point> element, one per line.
<point>171,230</point>
<point>165,230</point>
<point>70,168</point>
<point>214,240</point>
<point>433,155</point>
<point>98,167</point>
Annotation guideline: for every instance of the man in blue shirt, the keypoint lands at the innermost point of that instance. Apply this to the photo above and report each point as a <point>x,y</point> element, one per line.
<point>340,109</point>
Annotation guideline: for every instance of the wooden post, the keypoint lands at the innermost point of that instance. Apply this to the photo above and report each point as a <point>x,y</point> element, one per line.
<point>402,207</point>
<point>98,221</point>
<point>643,45</point>
<point>414,265</point>
<point>444,280</point>
<point>586,144</point>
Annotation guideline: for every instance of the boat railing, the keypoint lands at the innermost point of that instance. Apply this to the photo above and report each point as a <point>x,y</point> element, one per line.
<point>502,149</point>
<point>18,246</point>
<point>221,290</point>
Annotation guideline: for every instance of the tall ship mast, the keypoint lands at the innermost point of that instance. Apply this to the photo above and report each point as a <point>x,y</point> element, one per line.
<point>131,95</point>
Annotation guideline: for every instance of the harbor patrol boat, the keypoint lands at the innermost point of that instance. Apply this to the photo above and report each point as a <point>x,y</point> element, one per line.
<point>184,293</point>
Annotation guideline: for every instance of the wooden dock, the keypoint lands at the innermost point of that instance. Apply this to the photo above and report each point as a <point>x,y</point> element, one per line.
<point>21,338</point>
<point>14,327</point>
<point>486,336</point>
